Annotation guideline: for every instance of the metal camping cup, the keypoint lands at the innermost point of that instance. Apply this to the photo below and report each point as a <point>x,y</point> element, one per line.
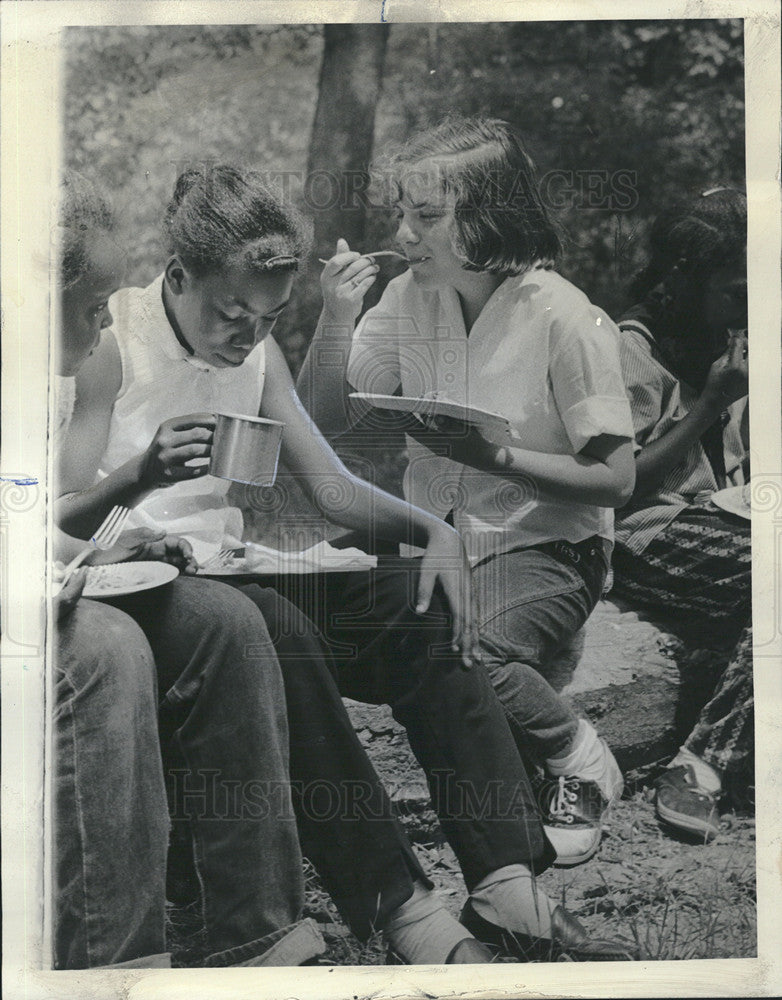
<point>246,449</point>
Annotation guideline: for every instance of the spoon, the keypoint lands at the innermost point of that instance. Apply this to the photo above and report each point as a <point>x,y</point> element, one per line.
<point>377,253</point>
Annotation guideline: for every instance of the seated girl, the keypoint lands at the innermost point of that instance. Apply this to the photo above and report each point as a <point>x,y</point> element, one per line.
<point>481,318</point>
<point>197,340</point>
<point>684,360</point>
<point>207,646</point>
<point>110,805</point>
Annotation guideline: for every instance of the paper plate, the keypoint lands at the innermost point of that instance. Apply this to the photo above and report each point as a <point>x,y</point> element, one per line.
<point>320,558</point>
<point>117,579</point>
<point>734,500</point>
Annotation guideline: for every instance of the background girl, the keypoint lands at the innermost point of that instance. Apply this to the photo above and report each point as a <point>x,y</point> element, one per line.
<point>684,360</point>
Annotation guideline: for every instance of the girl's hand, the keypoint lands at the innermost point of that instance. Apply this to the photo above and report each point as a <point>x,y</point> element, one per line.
<point>460,441</point>
<point>177,442</point>
<point>728,376</point>
<point>466,442</point>
<point>345,281</point>
<point>143,543</point>
<point>66,600</point>
<point>445,560</point>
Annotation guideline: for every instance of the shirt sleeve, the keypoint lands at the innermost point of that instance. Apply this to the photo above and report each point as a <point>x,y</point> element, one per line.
<point>587,381</point>
<point>373,363</point>
<point>644,386</point>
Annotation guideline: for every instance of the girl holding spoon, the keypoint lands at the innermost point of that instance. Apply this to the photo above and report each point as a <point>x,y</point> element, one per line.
<point>481,316</point>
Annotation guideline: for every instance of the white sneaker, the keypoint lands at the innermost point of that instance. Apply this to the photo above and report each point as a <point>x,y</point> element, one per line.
<point>574,845</point>
<point>708,779</point>
<point>590,760</point>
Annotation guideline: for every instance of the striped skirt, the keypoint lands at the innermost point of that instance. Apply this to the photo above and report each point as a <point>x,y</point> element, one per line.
<point>696,575</point>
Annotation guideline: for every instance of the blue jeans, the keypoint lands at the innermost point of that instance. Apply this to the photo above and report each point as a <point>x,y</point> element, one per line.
<point>225,708</point>
<point>110,803</point>
<point>532,602</point>
<point>387,653</point>
<point>227,751</point>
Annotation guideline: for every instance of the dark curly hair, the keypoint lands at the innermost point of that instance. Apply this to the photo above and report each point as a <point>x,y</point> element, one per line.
<point>502,225</point>
<point>697,236</point>
<point>691,240</point>
<point>222,215</point>
<point>84,210</point>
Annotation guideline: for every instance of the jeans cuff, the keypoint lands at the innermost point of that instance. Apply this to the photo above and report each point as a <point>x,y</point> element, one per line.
<point>291,945</point>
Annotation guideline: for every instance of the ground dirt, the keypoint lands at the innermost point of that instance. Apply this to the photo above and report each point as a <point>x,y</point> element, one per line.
<point>673,897</point>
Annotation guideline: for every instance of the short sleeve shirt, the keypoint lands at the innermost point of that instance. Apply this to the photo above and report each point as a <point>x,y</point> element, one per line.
<point>542,355</point>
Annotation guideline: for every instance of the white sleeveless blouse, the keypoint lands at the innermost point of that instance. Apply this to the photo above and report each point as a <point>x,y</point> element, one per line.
<point>160,380</point>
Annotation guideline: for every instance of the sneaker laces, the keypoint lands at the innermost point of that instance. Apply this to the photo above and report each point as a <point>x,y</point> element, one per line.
<point>562,805</point>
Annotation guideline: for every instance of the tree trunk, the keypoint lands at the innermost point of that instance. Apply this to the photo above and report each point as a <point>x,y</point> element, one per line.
<point>343,131</point>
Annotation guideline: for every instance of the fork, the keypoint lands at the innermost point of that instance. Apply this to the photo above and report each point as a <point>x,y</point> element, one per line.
<point>219,560</point>
<point>104,538</point>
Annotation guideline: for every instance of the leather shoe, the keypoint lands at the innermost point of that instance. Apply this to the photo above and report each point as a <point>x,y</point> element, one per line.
<point>570,940</point>
<point>575,942</point>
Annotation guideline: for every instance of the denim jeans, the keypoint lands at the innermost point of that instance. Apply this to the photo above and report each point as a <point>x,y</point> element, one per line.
<point>223,724</point>
<point>532,602</point>
<point>347,826</point>
<point>385,652</point>
<point>231,790</point>
<point>111,819</point>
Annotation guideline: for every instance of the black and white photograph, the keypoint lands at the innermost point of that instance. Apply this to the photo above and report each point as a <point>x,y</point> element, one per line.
<point>395,420</point>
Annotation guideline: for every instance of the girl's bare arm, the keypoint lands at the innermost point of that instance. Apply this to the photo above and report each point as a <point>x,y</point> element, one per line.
<point>83,503</point>
<point>361,506</point>
<point>322,384</point>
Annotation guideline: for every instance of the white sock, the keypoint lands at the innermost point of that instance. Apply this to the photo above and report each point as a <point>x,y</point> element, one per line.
<point>511,898</point>
<point>590,759</point>
<point>422,931</point>
<point>708,779</point>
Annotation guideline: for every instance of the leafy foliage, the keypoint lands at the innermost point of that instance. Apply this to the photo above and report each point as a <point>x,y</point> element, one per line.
<point>622,117</point>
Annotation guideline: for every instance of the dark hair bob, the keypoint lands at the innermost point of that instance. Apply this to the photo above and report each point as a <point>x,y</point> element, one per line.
<point>502,225</point>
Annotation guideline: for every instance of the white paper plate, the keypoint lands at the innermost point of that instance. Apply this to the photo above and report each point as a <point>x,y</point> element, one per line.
<point>493,426</point>
<point>734,500</point>
<point>232,567</point>
<point>117,579</point>
<point>320,558</point>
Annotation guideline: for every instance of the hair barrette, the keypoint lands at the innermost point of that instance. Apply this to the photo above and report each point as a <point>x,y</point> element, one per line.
<point>282,260</point>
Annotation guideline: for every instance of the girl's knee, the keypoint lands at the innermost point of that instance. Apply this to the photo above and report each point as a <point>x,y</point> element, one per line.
<point>106,654</point>
<point>222,611</point>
